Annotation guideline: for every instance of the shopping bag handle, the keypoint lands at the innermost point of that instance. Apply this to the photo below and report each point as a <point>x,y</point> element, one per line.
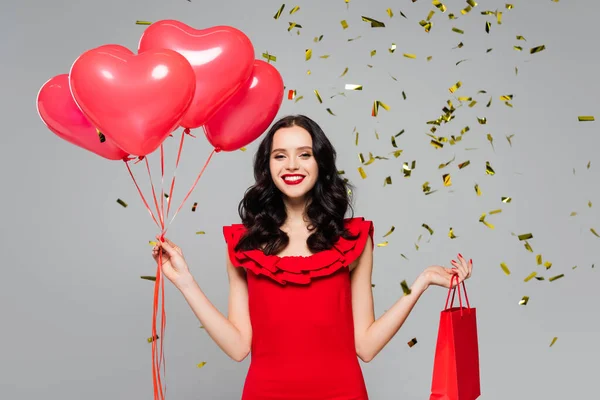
<point>453,290</point>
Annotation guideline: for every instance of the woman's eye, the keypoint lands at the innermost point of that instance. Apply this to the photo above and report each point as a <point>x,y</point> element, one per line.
<point>306,155</point>
<point>279,156</point>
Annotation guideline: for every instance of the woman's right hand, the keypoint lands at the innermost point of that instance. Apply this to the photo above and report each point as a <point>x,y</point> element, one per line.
<point>174,266</point>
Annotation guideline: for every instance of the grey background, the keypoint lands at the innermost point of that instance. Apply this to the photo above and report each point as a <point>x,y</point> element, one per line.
<point>75,315</point>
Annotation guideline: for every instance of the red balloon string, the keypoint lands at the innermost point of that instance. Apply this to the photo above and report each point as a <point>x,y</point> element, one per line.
<point>158,358</point>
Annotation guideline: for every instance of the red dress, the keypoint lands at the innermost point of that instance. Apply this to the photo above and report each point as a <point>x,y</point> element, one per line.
<point>302,326</point>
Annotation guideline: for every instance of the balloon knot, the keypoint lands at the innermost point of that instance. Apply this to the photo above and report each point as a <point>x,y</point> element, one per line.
<point>217,149</point>
<point>186,131</point>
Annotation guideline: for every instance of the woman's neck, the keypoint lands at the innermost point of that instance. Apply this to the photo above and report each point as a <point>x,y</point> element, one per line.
<point>296,213</point>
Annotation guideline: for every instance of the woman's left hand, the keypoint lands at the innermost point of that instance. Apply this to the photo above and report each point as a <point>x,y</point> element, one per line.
<point>441,276</point>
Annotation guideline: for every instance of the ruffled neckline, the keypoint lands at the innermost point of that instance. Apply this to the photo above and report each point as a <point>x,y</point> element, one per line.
<point>300,269</point>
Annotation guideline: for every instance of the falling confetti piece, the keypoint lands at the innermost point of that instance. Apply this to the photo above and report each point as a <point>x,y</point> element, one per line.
<point>389,12</point>
<point>556,277</point>
<point>524,301</point>
<point>447,180</point>
<point>525,236</point>
<point>387,181</point>
<point>382,244</point>
<point>554,339</point>
<point>488,169</point>
<point>537,49</point>
<point>293,25</point>
<point>412,342</point>
<point>374,23</point>
<point>530,276</point>
<point>428,228</point>
<point>152,339</point>
<point>293,10</point>
<point>344,24</point>
<point>483,221</point>
<point>506,199</point>
<point>586,118</point>
<point>477,190</point>
<point>458,31</point>
<point>202,364</point>
<point>143,23</point>
<point>278,13</point>
<point>390,231</point>
<point>405,288</point>
<point>455,87</point>
<point>376,104</point>
<point>408,170</point>
<point>408,55</point>
<point>318,96</point>
<point>148,278</point>
<point>362,172</point>
<point>392,48</point>
<point>464,164</point>
<point>594,232</point>
<point>269,57</point>
<point>353,87</point>
<point>200,233</point>
<point>505,268</point>
<point>121,202</point>
<point>318,39</point>
<point>330,112</point>
<point>307,54</point>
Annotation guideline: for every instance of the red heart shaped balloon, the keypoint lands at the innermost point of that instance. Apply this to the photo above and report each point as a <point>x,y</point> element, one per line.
<point>246,115</point>
<point>61,115</point>
<point>221,57</point>
<point>135,100</point>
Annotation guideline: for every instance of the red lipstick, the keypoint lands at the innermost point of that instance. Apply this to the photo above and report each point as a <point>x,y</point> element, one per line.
<point>292,179</point>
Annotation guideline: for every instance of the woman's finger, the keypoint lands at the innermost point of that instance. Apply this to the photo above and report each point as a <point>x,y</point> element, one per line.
<point>458,266</point>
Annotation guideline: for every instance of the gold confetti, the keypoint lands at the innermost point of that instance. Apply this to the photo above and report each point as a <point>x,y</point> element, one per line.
<point>362,172</point>
<point>356,38</point>
<point>464,164</point>
<point>101,136</point>
<point>200,233</point>
<point>374,23</point>
<point>528,247</point>
<point>537,49</point>
<point>518,48</point>
<point>488,169</point>
<point>439,5</point>
<point>148,278</point>
<point>426,25</point>
<point>293,10</point>
<point>586,118</point>
<point>594,232</point>
<point>556,277</point>
<point>482,120</point>
<point>487,26</point>
<point>412,342</point>
<point>143,23</point>
<point>382,244</point>
<point>298,99</point>
<point>509,6</point>
<point>509,138</point>
<point>152,339</point>
<point>389,12</point>
<point>376,105</point>
<point>530,276</point>
<point>318,39</point>
<point>269,57</point>
<point>344,24</point>
<point>408,170</point>
<point>330,112</point>
<point>554,339</point>
<point>455,87</point>
<point>373,52</point>
<point>428,228</point>
<point>293,25</point>
<point>408,55</point>
<point>308,54</point>
<point>278,13</point>
<point>390,231</point>
<point>490,138</point>
<point>392,48</point>
<point>121,202</point>
<point>405,288</point>
<point>525,236</point>
<point>387,181</point>
<point>547,264</point>
<point>524,301</point>
<point>447,180</point>
<point>506,199</point>
<point>538,259</point>
<point>477,190</point>
<point>318,96</point>
<point>505,268</point>
<point>483,221</point>
<point>202,364</point>
<point>353,87</point>
<point>458,30</point>
<point>451,234</point>
<point>194,206</point>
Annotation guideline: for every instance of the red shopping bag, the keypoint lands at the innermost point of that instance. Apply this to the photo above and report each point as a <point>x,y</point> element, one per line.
<point>456,365</point>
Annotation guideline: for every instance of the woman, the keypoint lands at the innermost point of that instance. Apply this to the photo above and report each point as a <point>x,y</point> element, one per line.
<point>300,295</point>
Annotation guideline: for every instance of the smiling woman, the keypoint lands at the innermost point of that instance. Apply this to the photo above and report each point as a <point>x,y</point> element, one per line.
<point>300,294</point>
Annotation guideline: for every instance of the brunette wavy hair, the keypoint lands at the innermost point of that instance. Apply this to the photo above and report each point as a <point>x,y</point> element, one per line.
<point>262,209</point>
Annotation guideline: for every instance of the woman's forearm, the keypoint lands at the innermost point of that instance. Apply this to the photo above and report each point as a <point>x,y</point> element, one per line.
<point>219,328</point>
<point>387,325</point>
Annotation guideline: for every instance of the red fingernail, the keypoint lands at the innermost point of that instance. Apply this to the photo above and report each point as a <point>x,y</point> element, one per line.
<point>460,255</point>
<point>471,261</point>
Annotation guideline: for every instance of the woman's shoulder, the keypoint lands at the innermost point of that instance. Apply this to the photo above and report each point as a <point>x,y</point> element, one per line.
<point>358,224</point>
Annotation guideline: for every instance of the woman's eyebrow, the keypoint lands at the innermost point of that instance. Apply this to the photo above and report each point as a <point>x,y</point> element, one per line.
<point>298,148</point>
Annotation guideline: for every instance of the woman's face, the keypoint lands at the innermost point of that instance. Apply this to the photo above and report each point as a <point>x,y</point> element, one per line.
<point>293,166</point>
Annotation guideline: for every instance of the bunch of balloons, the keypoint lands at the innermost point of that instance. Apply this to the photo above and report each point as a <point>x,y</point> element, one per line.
<point>122,106</point>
